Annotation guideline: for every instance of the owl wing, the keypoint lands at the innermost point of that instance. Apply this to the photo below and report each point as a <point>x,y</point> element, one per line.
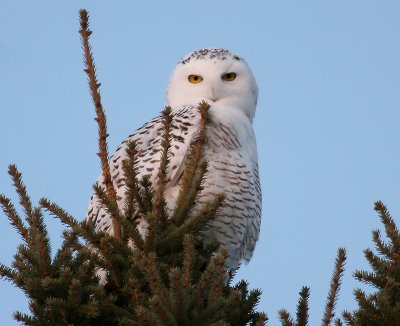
<point>254,221</point>
<point>233,169</point>
<point>184,126</point>
<point>252,198</point>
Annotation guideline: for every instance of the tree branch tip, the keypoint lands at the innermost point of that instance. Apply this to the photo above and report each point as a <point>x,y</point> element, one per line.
<point>43,201</point>
<point>342,253</point>
<point>203,105</point>
<point>379,206</point>
<point>83,13</point>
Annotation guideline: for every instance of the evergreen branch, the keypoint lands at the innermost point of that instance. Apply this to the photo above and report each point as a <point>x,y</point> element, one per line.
<point>24,199</point>
<point>379,265</point>
<point>191,189</point>
<point>145,317</point>
<point>147,264</point>
<point>188,260</point>
<point>16,221</point>
<point>35,236</point>
<point>217,281</point>
<point>94,86</point>
<point>8,273</point>
<point>99,240</point>
<point>348,317</point>
<point>203,109</point>
<point>132,193</point>
<point>159,201</point>
<point>190,182</point>
<point>382,247</point>
<point>164,315</point>
<point>206,279</point>
<point>25,318</point>
<point>80,228</point>
<point>65,252</point>
<point>373,279</point>
<point>363,300</point>
<point>178,294</point>
<point>334,287</point>
<point>241,309</point>
<point>219,323</point>
<point>129,231</point>
<point>338,322</point>
<point>64,217</point>
<point>111,207</point>
<point>183,284</point>
<point>252,301</point>
<point>212,312</point>
<point>386,219</point>
<point>41,242</point>
<point>383,306</point>
<point>285,318</point>
<point>157,219</point>
<point>215,293</point>
<point>113,255</point>
<point>146,193</point>
<point>24,258</point>
<point>133,287</point>
<point>262,319</point>
<point>196,186</point>
<point>390,228</point>
<point>126,322</point>
<point>302,307</point>
<point>207,212</point>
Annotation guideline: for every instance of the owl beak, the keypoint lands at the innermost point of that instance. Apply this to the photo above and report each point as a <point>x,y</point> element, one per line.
<point>213,97</point>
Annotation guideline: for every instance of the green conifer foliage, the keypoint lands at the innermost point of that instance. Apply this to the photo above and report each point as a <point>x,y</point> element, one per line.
<point>61,290</point>
<point>166,278</point>
<point>381,307</point>
<point>302,305</point>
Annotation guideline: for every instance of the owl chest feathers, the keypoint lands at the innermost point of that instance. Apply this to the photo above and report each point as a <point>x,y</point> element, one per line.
<point>228,138</point>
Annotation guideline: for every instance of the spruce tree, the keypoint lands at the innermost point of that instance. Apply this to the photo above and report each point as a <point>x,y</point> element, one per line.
<point>381,307</point>
<point>165,278</point>
<point>302,305</point>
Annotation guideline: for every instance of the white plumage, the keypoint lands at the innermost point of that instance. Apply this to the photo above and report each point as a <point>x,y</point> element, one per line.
<point>225,81</point>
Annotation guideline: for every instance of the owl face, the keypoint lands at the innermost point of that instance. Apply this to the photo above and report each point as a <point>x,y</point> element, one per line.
<point>217,76</point>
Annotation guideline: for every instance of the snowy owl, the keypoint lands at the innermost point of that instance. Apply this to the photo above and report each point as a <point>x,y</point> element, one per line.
<point>226,83</point>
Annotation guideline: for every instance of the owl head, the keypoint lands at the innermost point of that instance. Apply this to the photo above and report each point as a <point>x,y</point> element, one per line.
<point>217,76</point>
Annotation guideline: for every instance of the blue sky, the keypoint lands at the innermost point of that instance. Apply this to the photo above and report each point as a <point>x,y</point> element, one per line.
<point>327,123</point>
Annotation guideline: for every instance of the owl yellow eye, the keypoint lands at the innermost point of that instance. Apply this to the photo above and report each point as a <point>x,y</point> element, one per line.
<point>195,79</point>
<point>229,76</point>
